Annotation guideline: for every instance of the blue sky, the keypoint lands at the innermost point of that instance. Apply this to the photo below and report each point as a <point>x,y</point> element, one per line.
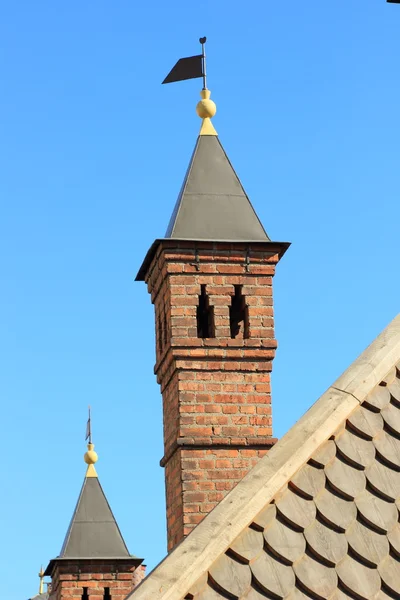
<point>93,151</point>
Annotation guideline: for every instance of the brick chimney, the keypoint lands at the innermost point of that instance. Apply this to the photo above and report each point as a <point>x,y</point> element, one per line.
<point>210,281</point>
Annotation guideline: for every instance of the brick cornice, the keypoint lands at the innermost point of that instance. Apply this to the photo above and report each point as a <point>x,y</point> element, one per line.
<point>213,357</point>
<point>191,251</point>
<point>226,443</point>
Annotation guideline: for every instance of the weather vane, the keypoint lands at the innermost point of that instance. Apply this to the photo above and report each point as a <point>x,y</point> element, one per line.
<point>190,67</point>
<point>89,428</point>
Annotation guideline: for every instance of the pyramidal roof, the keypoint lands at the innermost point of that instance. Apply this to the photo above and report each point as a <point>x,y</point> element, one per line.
<point>318,516</point>
<point>93,531</point>
<point>212,204</point>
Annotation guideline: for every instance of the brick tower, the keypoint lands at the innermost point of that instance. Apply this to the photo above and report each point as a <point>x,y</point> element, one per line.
<point>210,281</point>
<point>94,562</point>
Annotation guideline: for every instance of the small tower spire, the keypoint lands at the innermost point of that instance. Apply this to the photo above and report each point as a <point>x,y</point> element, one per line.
<point>94,553</point>
<point>41,577</point>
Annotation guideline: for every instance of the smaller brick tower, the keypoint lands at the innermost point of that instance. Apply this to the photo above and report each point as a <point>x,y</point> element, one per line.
<point>94,562</point>
<point>210,281</point>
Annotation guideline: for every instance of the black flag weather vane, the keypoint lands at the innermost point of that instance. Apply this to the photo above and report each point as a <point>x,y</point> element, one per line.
<point>89,429</point>
<point>190,67</point>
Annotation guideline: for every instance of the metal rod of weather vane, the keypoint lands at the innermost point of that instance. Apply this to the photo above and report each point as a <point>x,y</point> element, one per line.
<point>203,54</point>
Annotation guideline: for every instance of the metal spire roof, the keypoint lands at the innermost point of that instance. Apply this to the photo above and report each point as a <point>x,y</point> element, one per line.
<point>212,204</point>
<point>93,531</point>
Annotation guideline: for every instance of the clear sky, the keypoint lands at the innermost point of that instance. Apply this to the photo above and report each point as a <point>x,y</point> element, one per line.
<point>93,151</point>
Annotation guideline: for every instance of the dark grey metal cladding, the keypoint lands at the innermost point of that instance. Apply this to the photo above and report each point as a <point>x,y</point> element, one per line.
<point>212,204</point>
<point>93,531</point>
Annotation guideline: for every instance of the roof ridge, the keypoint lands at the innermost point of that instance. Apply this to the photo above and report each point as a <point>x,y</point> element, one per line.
<point>174,577</point>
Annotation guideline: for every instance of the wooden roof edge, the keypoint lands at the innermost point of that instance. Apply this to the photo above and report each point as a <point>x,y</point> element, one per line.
<point>179,571</point>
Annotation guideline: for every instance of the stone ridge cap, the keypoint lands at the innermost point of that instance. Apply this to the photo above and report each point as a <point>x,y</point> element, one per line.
<point>179,571</point>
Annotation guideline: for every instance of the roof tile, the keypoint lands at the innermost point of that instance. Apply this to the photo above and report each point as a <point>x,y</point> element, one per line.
<point>333,532</point>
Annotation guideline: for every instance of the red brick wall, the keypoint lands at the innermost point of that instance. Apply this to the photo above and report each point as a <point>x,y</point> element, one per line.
<point>216,391</point>
<point>205,476</point>
<point>69,578</point>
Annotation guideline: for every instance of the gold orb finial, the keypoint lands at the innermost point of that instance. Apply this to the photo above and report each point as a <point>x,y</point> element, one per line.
<point>206,108</point>
<point>90,456</point>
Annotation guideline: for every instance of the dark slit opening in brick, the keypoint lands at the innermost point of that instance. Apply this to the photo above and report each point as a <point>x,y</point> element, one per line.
<point>107,595</point>
<point>165,330</point>
<point>159,334</point>
<point>85,595</point>
<point>205,316</point>
<point>239,315</point>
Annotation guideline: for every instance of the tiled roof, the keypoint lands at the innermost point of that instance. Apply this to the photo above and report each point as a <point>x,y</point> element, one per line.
<point>333,531</point>
<point>318,516</point>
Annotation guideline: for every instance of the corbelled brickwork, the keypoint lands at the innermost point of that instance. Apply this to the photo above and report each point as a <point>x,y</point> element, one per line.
<point>90,580</point>
<point>215,345</point>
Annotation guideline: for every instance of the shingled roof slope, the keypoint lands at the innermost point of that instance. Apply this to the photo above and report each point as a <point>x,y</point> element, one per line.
<point>318,516</point>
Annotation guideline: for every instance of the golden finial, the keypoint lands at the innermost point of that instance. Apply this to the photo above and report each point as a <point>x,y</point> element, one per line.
<point>206,109</point>
<point>90,457</point>
<point>41,576</point>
